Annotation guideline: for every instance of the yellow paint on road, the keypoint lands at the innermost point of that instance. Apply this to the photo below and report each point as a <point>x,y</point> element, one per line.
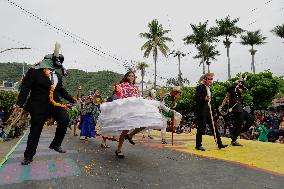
<point>254,154</point>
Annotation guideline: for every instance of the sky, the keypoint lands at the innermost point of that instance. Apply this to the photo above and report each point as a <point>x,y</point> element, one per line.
<point>113,26</point>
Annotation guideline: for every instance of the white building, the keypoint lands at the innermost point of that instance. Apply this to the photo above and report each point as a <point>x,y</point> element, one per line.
<point>9,86</point>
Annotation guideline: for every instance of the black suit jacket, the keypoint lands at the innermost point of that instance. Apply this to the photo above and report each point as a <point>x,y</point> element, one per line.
<point>36,87</point>
<point>235,98</point>
<point>202,108</point>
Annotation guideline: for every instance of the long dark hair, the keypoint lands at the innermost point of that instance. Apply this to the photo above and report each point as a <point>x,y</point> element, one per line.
<point>124,79</point>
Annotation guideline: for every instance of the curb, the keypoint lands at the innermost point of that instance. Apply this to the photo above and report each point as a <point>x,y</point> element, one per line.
<point>12,150</point>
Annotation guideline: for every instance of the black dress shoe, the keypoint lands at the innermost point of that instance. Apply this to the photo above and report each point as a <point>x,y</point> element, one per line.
<point>222,146</point>
<point>235,143</point>
<point>58,149</point>
<point>26,161</point>
<point>120,155</point>
<point>129,139</point>
<point>200,148</point>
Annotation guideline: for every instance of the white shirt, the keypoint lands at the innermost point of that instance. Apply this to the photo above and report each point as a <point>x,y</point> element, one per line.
<point>208,92</point>
<point>55,78</point>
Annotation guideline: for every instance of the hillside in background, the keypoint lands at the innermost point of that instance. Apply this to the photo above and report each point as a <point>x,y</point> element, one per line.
<point>102,80</point>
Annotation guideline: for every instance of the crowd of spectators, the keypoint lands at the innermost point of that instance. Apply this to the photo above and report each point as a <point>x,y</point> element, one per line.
<point>267,127</point>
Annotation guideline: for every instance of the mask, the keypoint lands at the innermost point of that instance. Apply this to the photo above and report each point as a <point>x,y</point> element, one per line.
<point>58,61</point>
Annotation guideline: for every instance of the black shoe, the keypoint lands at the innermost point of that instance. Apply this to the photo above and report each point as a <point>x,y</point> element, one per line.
<point>26,161</point>
<point>235,143</point>
<point>150,137</point>
<point>200,148</point>
<point>222,146</point>
<point>164,141</point>
<point>58,149</point>
<point>120,155</point>
<point>129,139</point>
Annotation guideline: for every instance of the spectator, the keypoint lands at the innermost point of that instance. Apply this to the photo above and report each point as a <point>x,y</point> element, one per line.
<point>261,129</point>
<point>281,132</point>
<point>1,114</point>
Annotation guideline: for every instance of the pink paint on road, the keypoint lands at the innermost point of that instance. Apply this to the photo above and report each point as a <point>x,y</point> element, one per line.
<point>39,170</point>
<point>10,173</point>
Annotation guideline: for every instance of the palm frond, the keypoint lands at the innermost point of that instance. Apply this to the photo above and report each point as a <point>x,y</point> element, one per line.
<point>227,27</point>
<point>279,31</point>
<point>146,45</point>
<point>253,38</point>
<point>148,51</point>
<point>145,35</point>
<point>164,49</point>
<point>156,38</point>
<point>200,34</point>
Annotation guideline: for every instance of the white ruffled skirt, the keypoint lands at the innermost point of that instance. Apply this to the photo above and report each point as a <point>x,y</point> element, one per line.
<point>128,114</point>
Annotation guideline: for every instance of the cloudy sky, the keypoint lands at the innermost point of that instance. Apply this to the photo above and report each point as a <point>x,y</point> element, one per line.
<point>113,27</point>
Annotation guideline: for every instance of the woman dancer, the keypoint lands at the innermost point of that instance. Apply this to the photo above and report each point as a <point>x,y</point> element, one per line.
<point>129,112</point>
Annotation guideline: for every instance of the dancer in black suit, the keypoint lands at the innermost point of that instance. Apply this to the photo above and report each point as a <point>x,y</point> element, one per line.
<point>202,112</point>
<point>235,102</point>
<point>39,85</point>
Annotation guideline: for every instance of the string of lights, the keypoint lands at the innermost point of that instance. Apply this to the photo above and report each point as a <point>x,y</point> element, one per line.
<point>96,50</point>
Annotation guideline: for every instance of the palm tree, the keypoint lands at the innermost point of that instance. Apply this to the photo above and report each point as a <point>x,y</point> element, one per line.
<point>253,38</point>
<point>156,39</point>
<point>201,35</point>
<point>141,66</point>
<point>207,52</point>
<point>279,31</point>
<point>227,28</point>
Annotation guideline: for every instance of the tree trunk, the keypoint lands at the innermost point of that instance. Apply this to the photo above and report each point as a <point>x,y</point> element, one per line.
<point>142,75</point>
<point>203,65</point>
<point>253,67</point>
<point>155,55</point>
<point>229,62</point>
<point>252,59</point>
<point>179,72</point>
<point>208,67</point>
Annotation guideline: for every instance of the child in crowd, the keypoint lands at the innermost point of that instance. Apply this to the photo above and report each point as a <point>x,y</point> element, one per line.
<point>261,129</point>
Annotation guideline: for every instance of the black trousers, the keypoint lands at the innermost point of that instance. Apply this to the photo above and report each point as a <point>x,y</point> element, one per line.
<point>37,121</point>
<point>202,121</point>
<point>249,121</point>
<point>239,120</point>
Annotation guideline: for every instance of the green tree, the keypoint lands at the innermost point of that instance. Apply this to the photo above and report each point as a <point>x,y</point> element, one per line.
<point>7,99</point>
<point>187,100</point>
<point>156,40</point>
<point>253,38</point>
<point>200,36</point>
<point>219,90</point>
<point>207,52</point>
<point>142,66</point>
<point>179,81</point>
<point>279,31</point>
<point>262,87</point>
<point>227,28</point>
<point>280,94</point>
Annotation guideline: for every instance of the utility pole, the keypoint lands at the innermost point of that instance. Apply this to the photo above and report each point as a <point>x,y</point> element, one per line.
<point>178,54</point>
